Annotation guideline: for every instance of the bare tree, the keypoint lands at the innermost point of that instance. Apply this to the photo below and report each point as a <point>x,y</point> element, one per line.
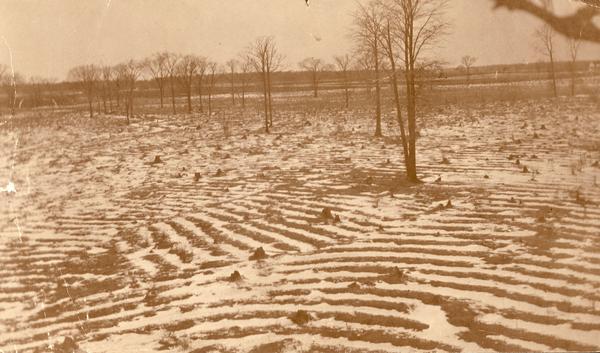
<point>107,76</point>
<point>157,67</point>
<point>119,76</point>
<point>132,71</point>
<point>273,63</point>
<point>418,25</point>
<point>120,73</point>
<point>171,61</point>
<point>265,59</point>
<point>86,76</point>
<point>545,36</point>
<point>231,66</point>
<point>314,66</point>
<point>245,67</point>
<point>212,68</point>
<point>574,44</point>
<point>468,62</point>
<point>343,63</point>
<point>203,64</point>
<point>367,31</point>
<point>391,30</point>
<point>186,72</point>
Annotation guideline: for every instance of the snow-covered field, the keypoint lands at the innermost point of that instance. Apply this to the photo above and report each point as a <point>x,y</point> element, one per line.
<point>498,249</point>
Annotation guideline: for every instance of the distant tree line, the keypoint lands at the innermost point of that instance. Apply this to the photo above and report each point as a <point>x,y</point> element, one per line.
<point>392,39</point>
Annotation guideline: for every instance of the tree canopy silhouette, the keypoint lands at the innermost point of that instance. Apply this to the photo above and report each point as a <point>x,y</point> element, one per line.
<point>577,25</point>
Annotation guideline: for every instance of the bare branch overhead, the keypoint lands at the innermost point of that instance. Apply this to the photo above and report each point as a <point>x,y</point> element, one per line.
<point>578,25</point>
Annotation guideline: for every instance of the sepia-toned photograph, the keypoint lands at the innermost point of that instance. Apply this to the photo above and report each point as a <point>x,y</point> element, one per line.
<point>299,176</point>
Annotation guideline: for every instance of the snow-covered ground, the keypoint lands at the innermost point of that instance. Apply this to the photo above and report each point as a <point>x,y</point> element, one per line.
<point>497,250</point>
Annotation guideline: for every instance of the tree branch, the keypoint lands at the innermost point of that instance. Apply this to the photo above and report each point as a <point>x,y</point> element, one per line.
<point>578,25</point>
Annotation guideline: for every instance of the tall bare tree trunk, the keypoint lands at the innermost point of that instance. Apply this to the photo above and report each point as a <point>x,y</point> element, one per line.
<point>377,93</point>
<point>409,59</point>
<point>412,127</point>
<point>394,81</point>
<point>270,98</point>
<point>265,96</point>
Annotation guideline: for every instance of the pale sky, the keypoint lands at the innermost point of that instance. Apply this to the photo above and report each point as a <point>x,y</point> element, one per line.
<point>48,37</point>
